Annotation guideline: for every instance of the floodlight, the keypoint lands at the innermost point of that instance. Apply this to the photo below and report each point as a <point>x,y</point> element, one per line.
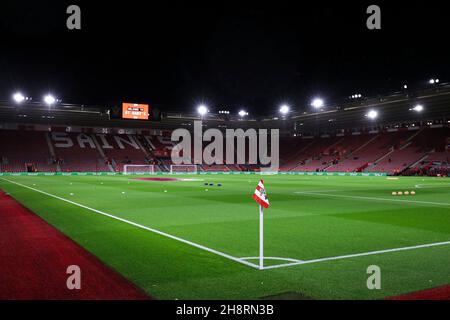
<point>202,109</point>
<point>242,113</point>
<point>284,109</point>
<point>372,114</point>
<point>18,97</point>
<point>432,81</point>
<point>317,103</point>
<point>49,99</point>
<point>418,108</point>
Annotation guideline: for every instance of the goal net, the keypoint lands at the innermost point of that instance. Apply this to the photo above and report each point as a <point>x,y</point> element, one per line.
<point>138,169</point>
<point>183,168</point>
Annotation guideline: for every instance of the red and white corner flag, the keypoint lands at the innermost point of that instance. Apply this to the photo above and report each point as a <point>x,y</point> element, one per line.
<point>260,195</point>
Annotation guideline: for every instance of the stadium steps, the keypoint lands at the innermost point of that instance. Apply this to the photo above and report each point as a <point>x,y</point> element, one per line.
<point>375,163</point>
<point>362,146</point>
<point>150,142</point>
<point>391,151</point>
<point>101,153</point>
<point>52,150</point>
<point>411,138</point>
<point>416,163</point>
<point>136,138</point>
<point>311,162</point>
<point>299,154</point>
<point>355,151</point>
<point>406,145</point>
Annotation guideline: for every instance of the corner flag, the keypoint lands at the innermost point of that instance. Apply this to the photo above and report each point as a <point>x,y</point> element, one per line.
<point>260,195</point>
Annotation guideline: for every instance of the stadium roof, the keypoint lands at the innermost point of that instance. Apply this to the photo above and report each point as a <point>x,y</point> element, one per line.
<point>393,109</point>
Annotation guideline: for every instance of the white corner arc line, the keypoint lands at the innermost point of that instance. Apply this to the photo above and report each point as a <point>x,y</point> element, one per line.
<point>372,198</point>
<point>199,246</point>
<point>348,256</point>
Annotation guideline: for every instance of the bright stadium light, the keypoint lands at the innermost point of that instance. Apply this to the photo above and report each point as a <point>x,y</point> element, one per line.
<point>433,81</point>
<point>49,99</point>
<point>372,114</point>
<point>418,108</point>
<point>202,110</point>
<point>284,109</point>
<point>317,103</point>
<point>18,97</point>
<point>242,113</point>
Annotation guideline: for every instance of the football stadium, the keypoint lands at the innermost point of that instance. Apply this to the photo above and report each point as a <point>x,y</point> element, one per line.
<point>333,197</point>
<point>343,199</point>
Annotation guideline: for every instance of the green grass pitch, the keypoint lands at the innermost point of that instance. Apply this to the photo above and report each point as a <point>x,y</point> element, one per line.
<point>310,217</point>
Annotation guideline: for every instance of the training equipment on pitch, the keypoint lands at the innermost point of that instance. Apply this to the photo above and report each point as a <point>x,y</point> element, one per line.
<point>139,169</point>
<point>406,193</point>
<point>183,168</point>
<point>394,193</point>
<point>219,184</point>
<point>413,192</point>
<point>400,193</point>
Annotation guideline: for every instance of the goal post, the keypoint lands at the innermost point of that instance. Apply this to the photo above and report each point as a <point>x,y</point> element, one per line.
<point>183,168</point>
<point>139,169</point>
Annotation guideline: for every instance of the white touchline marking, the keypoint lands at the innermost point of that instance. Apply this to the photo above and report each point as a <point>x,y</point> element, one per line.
<point>431,186</point>
<point>272,258</point>
<point>348,256</point>
<point>225,255</point>
<point>373,198</point>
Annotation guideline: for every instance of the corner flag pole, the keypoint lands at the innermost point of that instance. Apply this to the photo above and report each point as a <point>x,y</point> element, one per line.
<point>261,237</point>
<point>260,197</point>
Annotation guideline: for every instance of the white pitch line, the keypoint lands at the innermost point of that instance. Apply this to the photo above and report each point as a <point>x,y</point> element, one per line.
<point>348,256</point>
<point>431,186</point>
<point>199,246</point>
<point>372,198</point>
<point>271,258</point>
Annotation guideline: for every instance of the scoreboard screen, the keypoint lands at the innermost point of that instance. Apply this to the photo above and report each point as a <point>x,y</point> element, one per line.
<point>135,111</point>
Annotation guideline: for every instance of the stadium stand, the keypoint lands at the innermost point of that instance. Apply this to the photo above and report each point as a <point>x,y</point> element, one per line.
<point>25,151</point>
<point>395,151</point>
<point>426,144</point>
<point>374,147</point>
<point>85,138</point>
<point>122,149</point>
<point>79,153</point>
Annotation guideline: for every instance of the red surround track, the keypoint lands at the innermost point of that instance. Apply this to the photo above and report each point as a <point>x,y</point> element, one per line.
<point>439,293</point>
<point>34,257</point>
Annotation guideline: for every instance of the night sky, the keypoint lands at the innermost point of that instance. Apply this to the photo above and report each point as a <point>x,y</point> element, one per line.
<point>229,55</point>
